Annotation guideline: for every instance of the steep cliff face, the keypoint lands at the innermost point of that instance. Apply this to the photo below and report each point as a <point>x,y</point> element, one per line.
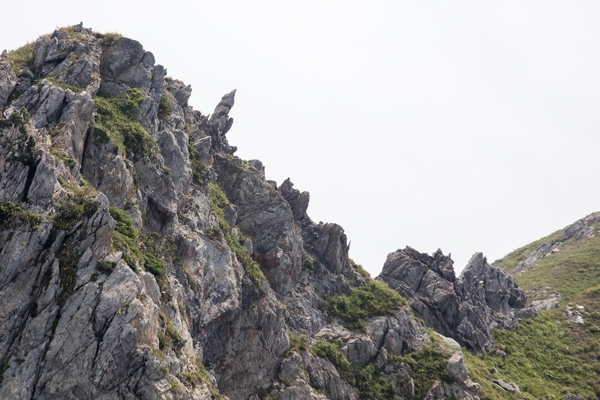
<point>467,308</point>
<point>140,259</point>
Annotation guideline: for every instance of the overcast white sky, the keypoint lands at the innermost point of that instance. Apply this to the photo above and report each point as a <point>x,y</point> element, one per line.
<point>467,126</point>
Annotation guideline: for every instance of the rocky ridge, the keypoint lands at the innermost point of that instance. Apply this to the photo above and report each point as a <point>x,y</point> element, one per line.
<point>467,308</point>
<point>140,259</point>
<point>579,230</point>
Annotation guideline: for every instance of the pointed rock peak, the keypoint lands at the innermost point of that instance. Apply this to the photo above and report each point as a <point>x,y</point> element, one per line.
<point>476,262</point>
<point>225,105</point>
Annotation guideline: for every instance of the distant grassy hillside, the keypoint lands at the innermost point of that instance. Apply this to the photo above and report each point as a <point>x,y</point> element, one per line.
<point>550,356</point>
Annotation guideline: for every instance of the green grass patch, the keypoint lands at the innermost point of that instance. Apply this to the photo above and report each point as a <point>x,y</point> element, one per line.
<point>124,224</point>
<point>24,148</point>
<point>165,106</point>
<point>546,356</point>
<point>510,262</point>
<point>549,356</point>
<point>368,379</point>
<point>62,156</point>
<point>22,57</point>
<point>106,266</point>
<point>169,337</point>
<point>76,208</point>
<point>376,298</point>
<point>116,121</point>
<point>199,169</point>
<point>297,342</point>
<point>127,239</point>
<point>427,365</point>
<point>218,201</point>
<point>570,271</point>
<point>13,215</point>
<point>198,377</point>
<point>308,264</point>
<point>20,117</point>
<point>80,205</point>
<point>109,38</point>
<point>363,272</point>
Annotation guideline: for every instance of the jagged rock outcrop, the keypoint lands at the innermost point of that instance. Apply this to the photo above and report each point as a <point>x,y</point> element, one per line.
<point>466,308</point>
<point>140,259</point>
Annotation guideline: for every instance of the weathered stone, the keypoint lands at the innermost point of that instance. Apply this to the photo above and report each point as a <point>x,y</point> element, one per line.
<point>457,368</point>
<point>180,91</point>
<point>466,309</point>
<point>220,123</point>
<point>75,118</point>
<point>8,82</point>
<point>49,107</point>
<point>161,307</point>
<point>508,387</point>
<point>126,65</point>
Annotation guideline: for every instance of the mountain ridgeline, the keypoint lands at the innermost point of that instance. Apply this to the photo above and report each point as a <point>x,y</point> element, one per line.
<point>141,259</point>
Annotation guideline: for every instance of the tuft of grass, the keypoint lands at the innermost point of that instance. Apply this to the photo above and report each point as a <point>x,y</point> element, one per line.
<point>115,121</point>
<point>376,298</point>
<point>22,57</point>
<point>13,215</point>
<point>170,337</point>
<point>199,169</point>
<point>77,207</point>
<point>20,117</point>
<point>124,224</point>
<point>106,266</point>
<point>127,239</point>
<point>309,264</point>
<point>297,342</point>
<point>109,38</point>
<point>368,379</point>
<point>80,205</point>
<point>198,377</point>
<point>363,272</point>
<point>427,366</point>
<point>62,156</point>
<point>165,106</point>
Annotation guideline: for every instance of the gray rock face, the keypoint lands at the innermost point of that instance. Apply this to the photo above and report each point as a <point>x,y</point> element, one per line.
<point>71,61</point>
<point>8,82</point>
<point>276,240</point>
<point>466,309</point>
<point>119,278</point>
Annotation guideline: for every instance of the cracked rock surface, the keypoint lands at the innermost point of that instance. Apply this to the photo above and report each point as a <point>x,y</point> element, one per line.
<point>141,259</point>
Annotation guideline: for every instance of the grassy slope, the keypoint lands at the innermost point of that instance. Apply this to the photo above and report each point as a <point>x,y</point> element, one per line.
<point>548,356</point>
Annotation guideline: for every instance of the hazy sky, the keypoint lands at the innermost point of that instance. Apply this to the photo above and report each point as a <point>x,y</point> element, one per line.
<point>467,126</point>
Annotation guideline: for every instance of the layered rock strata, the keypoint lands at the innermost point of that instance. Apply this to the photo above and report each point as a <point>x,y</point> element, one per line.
<point>141,259</point>
<point>467,308</point>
